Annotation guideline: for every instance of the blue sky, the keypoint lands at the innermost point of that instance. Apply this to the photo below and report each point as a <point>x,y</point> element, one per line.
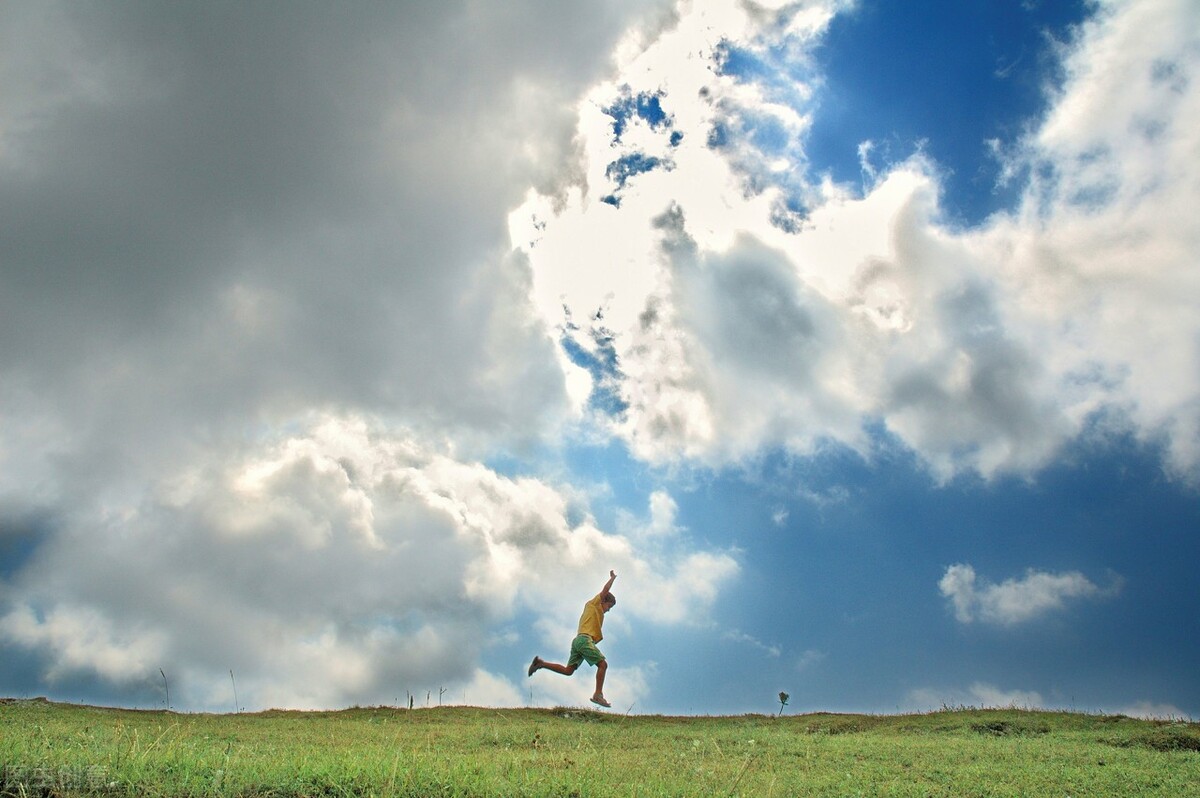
<point>948,77</point>
<point>345,357</point>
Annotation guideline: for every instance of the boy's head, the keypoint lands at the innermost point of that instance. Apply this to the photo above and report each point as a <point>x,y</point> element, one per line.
<point>608,601</point>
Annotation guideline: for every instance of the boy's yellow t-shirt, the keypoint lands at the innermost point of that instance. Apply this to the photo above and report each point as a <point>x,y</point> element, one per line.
<point>592,619</point>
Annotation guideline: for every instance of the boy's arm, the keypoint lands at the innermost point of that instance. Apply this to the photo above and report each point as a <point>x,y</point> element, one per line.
<point>612,577</point>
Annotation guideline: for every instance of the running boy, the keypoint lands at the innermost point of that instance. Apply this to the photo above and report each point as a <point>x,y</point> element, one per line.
<point>583,647</point>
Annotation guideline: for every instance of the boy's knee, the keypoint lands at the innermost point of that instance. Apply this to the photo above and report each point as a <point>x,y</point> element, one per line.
<point>602,665</point>
<point>571,669</point>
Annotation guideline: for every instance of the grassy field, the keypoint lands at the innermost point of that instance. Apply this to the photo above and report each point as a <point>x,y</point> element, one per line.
<point>57,749</point>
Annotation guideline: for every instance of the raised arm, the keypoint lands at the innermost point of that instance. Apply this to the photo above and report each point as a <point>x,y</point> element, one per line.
<point>612,577</point>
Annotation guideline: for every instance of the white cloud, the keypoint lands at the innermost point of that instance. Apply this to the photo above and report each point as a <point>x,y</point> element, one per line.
<point>822,499</point>
<point>488,689</point>
<point>986,695</point>
<point>738,636</point>
<point>344,563</point>
<point>82,639</point>
<point>1015,601</point>
<point>979,694</point>
<point>662,514</point>
<point>1153,711</point>
<point>739,327</point>
<point>660,524</point>
<point>810,658</point>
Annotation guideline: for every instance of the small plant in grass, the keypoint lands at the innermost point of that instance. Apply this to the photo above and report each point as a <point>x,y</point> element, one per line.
<point>236,708</point>
<point>783,699</point>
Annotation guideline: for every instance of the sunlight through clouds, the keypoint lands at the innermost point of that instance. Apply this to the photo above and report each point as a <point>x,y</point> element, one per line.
<point>985,350</point>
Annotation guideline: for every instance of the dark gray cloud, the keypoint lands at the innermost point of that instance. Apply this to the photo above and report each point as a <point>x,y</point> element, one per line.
<point>218,214</point>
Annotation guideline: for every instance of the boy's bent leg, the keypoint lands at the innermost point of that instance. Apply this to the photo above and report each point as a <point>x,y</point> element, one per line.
<point>573,662</point>
<point>539,663</point>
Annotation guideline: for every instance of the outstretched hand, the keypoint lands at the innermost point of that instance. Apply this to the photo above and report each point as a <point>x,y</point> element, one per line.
<point>612,577</point>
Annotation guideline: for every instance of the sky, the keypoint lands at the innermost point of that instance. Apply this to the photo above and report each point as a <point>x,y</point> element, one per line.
<point>344,350</point>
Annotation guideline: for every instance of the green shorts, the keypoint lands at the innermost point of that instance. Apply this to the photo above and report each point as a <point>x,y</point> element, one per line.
<point>583,649</point>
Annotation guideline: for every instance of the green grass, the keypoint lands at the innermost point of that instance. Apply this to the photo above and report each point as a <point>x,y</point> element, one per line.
<point>57,749</point>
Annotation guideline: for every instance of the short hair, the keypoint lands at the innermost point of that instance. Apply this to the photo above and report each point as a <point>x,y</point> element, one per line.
<point>609,599</point>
